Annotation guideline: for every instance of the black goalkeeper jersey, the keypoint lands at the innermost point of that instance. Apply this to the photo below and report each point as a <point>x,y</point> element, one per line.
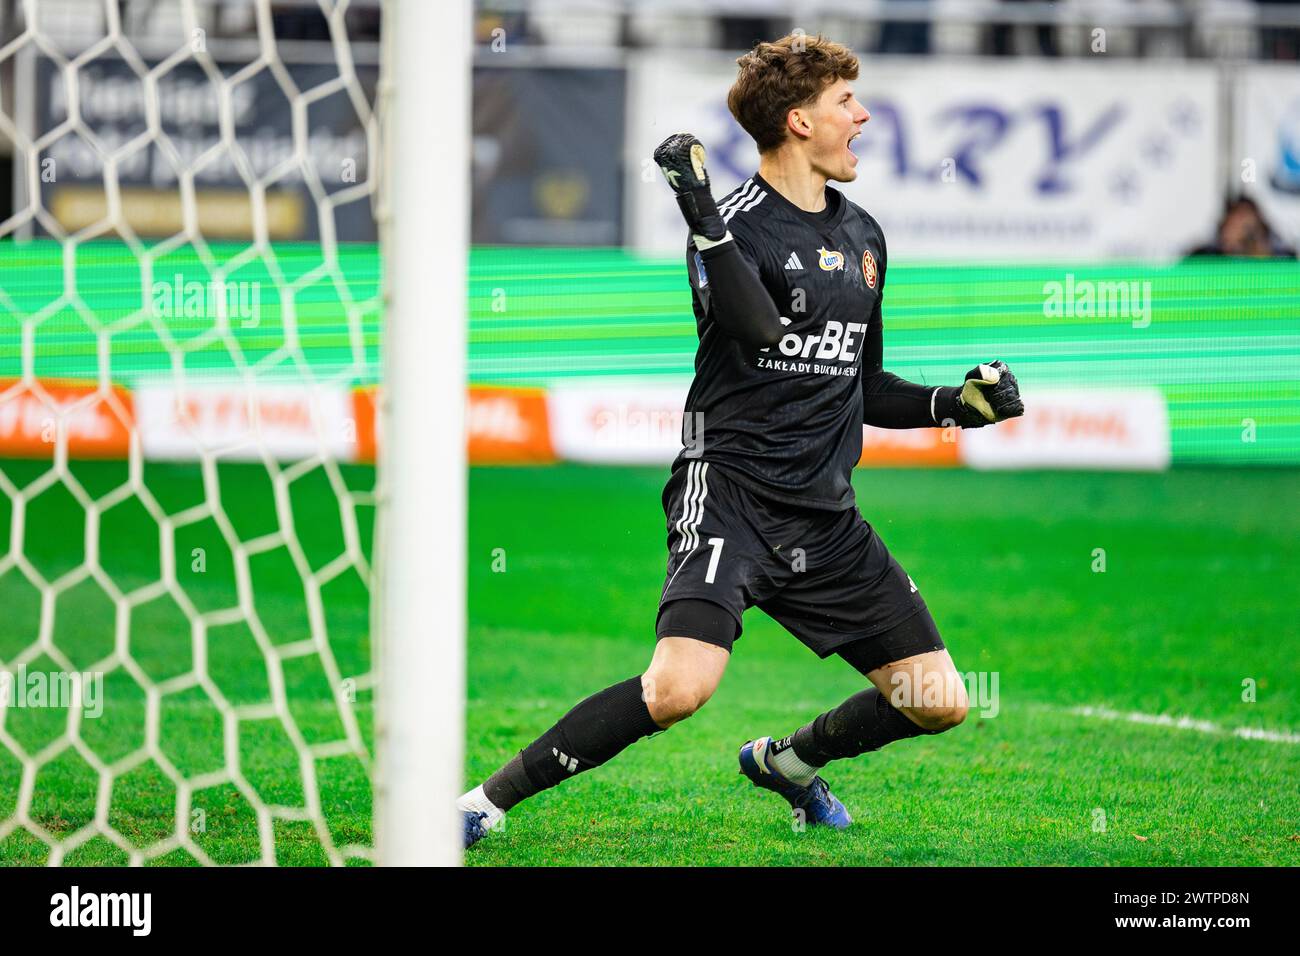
<point>786,421</point>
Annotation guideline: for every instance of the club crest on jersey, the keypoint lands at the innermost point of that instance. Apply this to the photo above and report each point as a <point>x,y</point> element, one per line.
<point>869,268</point>
<point>830,260</point>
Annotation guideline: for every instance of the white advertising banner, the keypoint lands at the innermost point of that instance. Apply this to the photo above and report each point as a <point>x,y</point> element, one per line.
<point>612,422</point>
<point>973,160</point>
<point>287,421</point>
<point>1266,143</point>
<point>1107,429</point>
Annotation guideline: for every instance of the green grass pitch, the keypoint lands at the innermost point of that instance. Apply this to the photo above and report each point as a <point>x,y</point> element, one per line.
<point>1197,597</point>
<point>1198,594</point>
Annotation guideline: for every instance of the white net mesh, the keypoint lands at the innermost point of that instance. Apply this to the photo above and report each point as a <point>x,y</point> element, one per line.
<point>189,303</point>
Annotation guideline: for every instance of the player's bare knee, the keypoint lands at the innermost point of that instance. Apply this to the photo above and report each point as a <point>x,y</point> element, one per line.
<point>937,719</point>
<point>674,704</point>
<point>670,698</point>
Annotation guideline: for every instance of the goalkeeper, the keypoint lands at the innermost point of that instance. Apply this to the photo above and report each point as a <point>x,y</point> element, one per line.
<point>787,280</point>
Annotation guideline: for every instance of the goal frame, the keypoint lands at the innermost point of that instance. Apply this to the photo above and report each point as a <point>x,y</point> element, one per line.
<point>424,230</point>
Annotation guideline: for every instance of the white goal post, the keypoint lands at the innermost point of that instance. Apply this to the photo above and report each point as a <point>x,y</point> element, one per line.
<point>202,350</point>
<point>425,219</point>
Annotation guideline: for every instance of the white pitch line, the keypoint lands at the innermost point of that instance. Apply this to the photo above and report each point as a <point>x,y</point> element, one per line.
<point>1188,723</point>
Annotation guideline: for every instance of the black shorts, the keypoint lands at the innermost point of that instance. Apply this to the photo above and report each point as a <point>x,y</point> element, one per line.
<point>825,576</point>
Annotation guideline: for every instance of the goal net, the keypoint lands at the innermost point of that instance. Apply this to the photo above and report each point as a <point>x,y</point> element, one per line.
<point>194,535</point>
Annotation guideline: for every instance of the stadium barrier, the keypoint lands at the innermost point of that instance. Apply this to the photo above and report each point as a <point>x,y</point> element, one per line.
<point>602,423</point>
<point>556,335</point>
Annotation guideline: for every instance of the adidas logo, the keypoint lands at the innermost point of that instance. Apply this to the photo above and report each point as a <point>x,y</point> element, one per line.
<point>793,262</point>
<point>568,763</point>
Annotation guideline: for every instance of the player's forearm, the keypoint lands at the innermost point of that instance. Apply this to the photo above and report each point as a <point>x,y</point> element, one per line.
<point>739,303</point>
<point>892,402</point>
<point>989,394</point>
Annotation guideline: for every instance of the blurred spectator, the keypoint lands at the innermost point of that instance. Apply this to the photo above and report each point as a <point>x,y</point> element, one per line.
<point>1019,39</point>
<point>508,28</point>
<point>295,22</point>
<point>741,33</point>
<point>1279,43</point>
<point>1243,231</point>
<point>904,36</point>
<point>909,37</point>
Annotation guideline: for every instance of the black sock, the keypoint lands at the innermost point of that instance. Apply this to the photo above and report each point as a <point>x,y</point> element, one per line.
<point>594,731</point>
<point>865,722</point>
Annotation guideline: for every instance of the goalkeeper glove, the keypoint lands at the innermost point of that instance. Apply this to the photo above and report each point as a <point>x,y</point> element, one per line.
<point>681,159</point>
<point>989,394</point>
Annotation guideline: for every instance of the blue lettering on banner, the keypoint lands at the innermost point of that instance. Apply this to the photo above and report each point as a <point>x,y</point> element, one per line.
<point>975,132</point>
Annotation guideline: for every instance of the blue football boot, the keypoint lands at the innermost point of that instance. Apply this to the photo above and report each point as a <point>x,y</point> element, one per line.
<point>820,807</point>
<point>474,828</point>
